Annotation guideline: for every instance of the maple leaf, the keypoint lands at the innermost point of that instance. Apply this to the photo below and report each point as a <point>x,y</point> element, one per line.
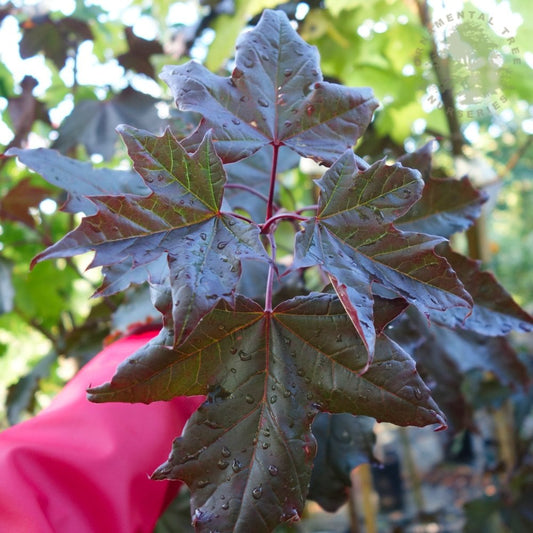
<point>16,203</point>
<point>447,205</point>
<point>344,442</point>
<point>24,110</point>
<point>137,57</point>
<point>56,38</point>
<point>353,239</point>
<point>181,219</point>
<point>78,178</point>
<point>494,312</point>
<point>92,123</point>
<point>275,95</point>
<point>247,452</point>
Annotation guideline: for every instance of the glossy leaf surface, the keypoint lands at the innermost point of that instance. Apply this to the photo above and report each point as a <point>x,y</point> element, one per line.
<point>266,377</point>
<point>352,238</point>
<point>276,95</point>
<point>179,219</point>
<point>447,205</point>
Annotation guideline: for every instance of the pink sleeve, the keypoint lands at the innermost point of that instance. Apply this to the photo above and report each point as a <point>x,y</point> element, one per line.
<point>83,467</point>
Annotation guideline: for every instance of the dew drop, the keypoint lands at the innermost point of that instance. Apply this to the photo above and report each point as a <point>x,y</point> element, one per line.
<point>287,123</point>
<point>418,393</point>
<point>257,492</point>
<point>273,399</point>
<point>287,72</point>
<point>262,102</point>
<point>197,516</point>
<point>301,372</point>
<point>202,483</point>
<point>236,465</point>
<point>243,98</point>
<point>249,399</point>
<point>244,356</point>
<point>222,464</point>
<point>314,72</point>
<point>265,445</point>
<point>225,506</point>
<point>309,110</point>
<point>264,57</point>
<point>233,350</point>
<point>266,432</point>
<point>226,452</point>
<point>248,62</point>
<point>273,470</point>
<point>203,236</point>
<point>287,394</point>
<point>344,436</point>
<point>233,370</point>
<point>222,244</point>
<point>236,121</point>
<point>339,338</point>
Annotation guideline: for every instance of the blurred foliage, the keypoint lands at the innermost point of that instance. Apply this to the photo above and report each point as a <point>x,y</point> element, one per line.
<point>72,76</point>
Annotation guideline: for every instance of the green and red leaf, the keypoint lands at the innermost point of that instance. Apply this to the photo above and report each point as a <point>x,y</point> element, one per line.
<point>275,95</point>
<point>266,376</point>
<point>353,239</point>
<point>180,219</point>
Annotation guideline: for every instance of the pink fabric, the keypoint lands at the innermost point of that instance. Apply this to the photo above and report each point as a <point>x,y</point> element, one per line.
<point>80,467</point>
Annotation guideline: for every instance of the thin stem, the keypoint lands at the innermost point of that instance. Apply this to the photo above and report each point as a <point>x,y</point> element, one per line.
<point>313,207</point>
<point>273,172</point>
<point>271,272</point>
<point>265,228</point>
<point>268,229</point>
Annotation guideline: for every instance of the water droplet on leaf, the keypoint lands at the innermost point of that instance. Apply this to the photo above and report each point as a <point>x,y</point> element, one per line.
<point>222,464</point>
<point>244,356</point>
<point>257,492</point>
<point>226,452</point>
<point>273,470</point>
